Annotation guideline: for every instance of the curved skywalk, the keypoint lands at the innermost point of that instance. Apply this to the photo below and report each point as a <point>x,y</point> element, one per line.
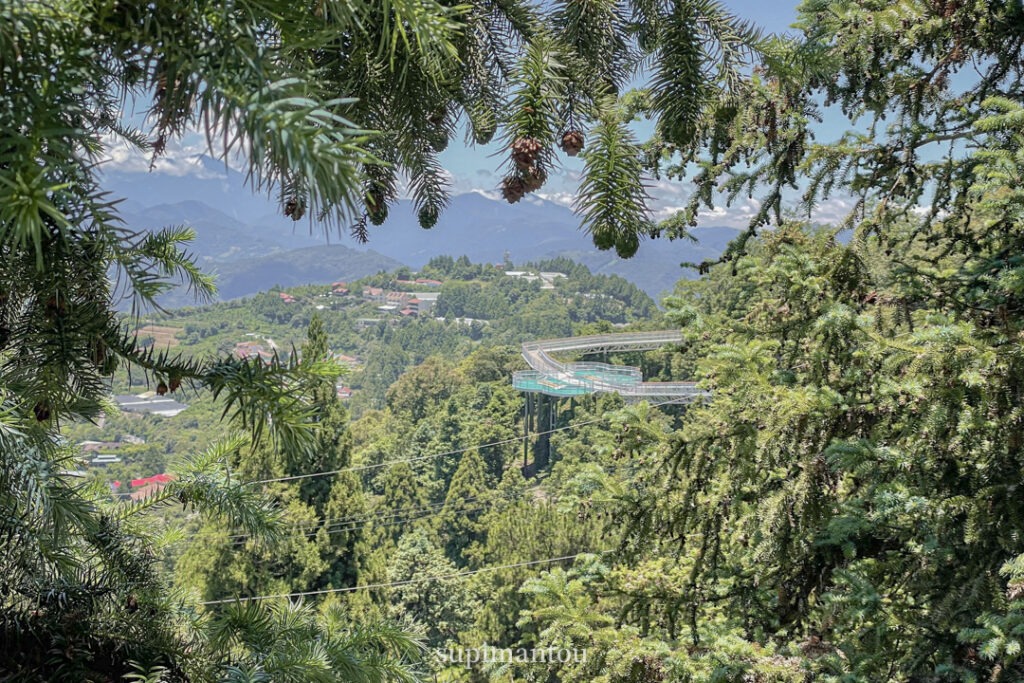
<point>553,378</point>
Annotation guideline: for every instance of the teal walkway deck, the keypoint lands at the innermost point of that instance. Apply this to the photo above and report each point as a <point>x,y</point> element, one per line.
<point>553,378</point>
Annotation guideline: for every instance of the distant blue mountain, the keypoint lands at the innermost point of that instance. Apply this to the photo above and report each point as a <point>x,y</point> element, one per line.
<point>484,229</point>
<point>235,227</point>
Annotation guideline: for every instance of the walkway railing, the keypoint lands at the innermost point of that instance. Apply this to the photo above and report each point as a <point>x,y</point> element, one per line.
<point>554,378</point>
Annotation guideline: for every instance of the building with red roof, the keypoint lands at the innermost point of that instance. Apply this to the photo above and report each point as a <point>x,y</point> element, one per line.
<point>161,479</point>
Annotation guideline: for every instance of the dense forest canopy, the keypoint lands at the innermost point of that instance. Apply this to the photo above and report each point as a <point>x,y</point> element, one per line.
<point>844,506</point>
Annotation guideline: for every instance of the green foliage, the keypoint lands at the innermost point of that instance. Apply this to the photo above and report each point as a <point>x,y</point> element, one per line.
<point>613,198</point>
<point>459,521</point>
<point>439,608</point>
<point>289,641</point>
<point>842,507</point>
<point>82,594</point>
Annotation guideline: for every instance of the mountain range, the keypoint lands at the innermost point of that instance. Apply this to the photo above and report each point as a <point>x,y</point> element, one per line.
<point>251,246</point>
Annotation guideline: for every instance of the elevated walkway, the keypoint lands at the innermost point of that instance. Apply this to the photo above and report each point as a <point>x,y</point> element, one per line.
<point>553,378</point>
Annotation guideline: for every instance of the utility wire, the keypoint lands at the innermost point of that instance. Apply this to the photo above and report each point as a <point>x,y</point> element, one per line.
<point>408,460</point>
<point>362,517</point>
<point>405,516</point>
<point>342,529</point>
<point>316,525</point>
<point>334,521</point>
<point>390,463</point>
<point>393,584</point>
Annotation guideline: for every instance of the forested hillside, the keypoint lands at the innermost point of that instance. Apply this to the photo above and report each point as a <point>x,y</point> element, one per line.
<point>428,481</point>
<point>477,305</point>
<point>339,482</point>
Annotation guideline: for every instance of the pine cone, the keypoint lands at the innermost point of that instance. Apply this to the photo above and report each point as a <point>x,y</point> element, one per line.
<point>572,142</point>
<point>42,411</point>
<point>604,239</point>
<point>161,389</point>
<point>294,209</point>
<point>627,245</point>
<point>379,216</point>
<point>533,178</point>
<point>376,206</point>
<point>175,384</point>
<point>439,144</point>
<point>525,152</point>
<point>427,217</point>
<point>483,134</point>
<point>513,189</point>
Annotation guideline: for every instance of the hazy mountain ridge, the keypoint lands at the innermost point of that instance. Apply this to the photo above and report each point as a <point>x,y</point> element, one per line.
<point>321,264</point>
<point>240,237</point>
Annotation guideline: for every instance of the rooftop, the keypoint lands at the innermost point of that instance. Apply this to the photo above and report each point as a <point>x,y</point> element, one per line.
<point>158,405</point>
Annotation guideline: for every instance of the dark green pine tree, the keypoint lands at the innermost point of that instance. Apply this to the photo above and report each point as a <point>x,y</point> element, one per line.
<point>404,497</point>
<point>336,496</point>
<point>320,546</point>
<point>332,447</point>
<point>439,608</point>
<point>459,522</point>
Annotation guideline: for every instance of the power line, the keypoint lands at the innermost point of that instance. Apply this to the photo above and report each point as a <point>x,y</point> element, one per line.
<point>316,525</point>
<point>334,521</point>
<point>310,531</point>
<point>402,521</point>
<point>362,517</point>
<point>393,584</point>
<point>389,463</point>
<point>336,526</point>
<point>459,451</point>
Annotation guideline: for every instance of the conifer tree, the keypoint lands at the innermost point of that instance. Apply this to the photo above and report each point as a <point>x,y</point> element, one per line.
<point>332,447</point>
<point>440,607</point>
<point>459,522</point>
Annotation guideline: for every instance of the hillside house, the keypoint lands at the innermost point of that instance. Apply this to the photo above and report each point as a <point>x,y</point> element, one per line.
<point>249,349</point>
<point>399,299</point>
<point>149,402</point>
<point>162,479</point>
<point>351,361</point>
<point>424,302</point>
<point>546,279</point>
<point>96,446</point>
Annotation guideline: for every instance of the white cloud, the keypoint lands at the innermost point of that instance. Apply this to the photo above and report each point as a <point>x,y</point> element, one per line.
<point>186,156</point>
<point>563,198</point>
<point>831,211</point>
<point>488,194</point>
